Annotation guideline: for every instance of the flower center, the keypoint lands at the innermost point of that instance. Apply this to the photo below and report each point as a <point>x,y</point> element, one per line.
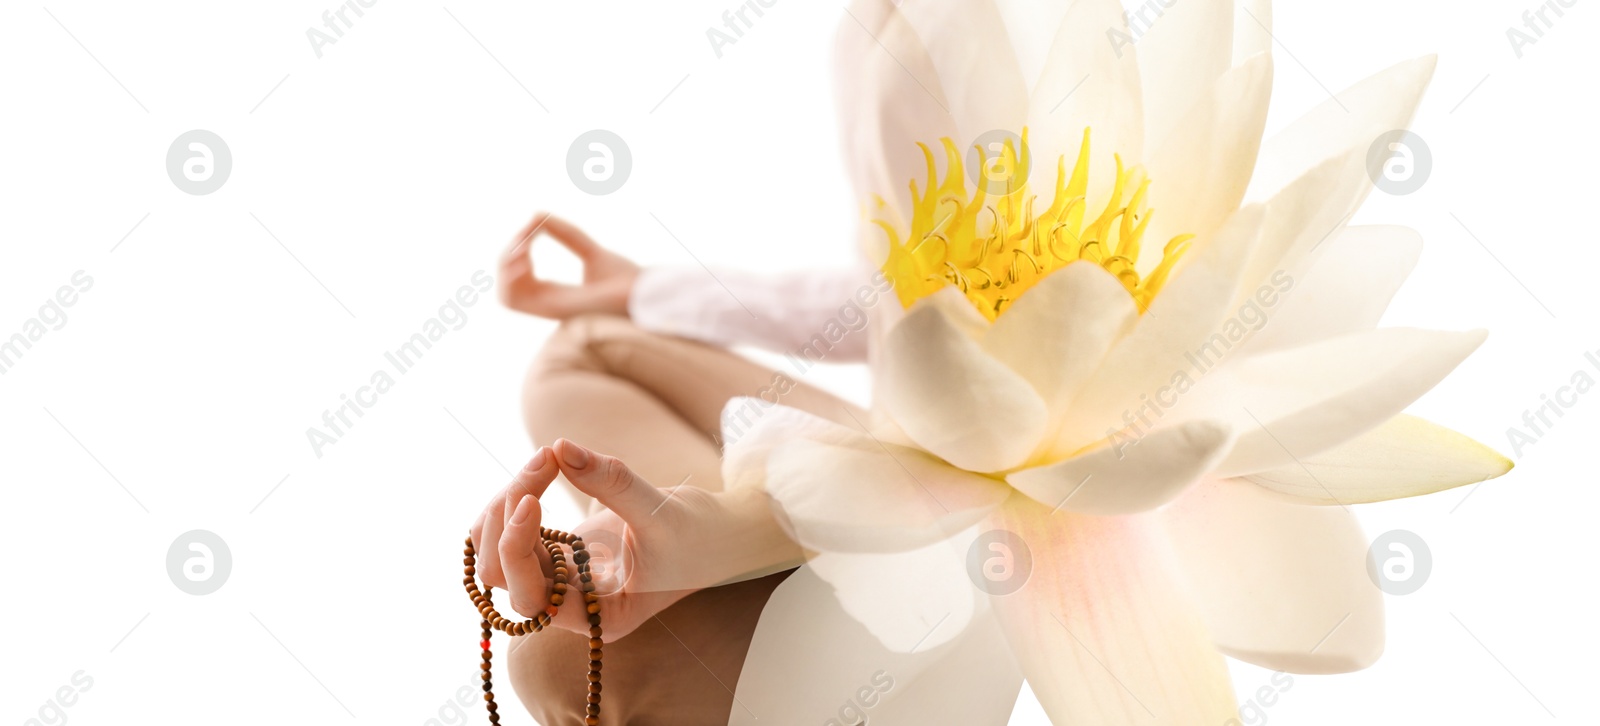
<point>991,246</point>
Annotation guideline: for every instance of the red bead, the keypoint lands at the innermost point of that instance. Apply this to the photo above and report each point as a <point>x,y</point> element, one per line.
<point>493,620</point>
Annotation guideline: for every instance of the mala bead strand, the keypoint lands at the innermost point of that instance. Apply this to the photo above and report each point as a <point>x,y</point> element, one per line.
<point>491,620</point>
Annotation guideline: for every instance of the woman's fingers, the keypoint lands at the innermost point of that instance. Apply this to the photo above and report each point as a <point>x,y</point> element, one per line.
<point>571,237</point>
<point>564,232</point>
<point>610,482</point>
<point>533,479</point>
<point>607,277</point>
<point>477,531</point>
<point>524,558</point>
<point>488,545</point>
<point>518,249</point>
<point>521,289</point>
<point>516,265</point>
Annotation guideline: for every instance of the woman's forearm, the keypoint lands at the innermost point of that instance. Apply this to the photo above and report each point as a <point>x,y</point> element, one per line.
<point>756,542</point>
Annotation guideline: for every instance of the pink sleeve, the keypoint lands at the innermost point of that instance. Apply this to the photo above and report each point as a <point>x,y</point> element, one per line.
<point>820,312</point>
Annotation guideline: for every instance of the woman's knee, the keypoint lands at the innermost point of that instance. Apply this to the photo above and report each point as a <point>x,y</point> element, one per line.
<point>582,350</point>
<point>587,343</point>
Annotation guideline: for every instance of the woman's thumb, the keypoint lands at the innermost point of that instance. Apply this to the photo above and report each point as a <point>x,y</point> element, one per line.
<point>609,481</point>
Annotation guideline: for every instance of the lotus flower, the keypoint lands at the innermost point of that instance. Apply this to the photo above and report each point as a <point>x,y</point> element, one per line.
<point>1160,373</point>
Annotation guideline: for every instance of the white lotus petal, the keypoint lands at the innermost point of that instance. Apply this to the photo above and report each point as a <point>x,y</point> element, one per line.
<point>1086,83</point>
<point>1197,317</point>
<point>1354,117</point>
<point>909,600</point>
<point>866,497</point>
<point>889,99</point>
<point>747,448</point>
<point>854,43</point>
<point>837,488</point>
<point>856,99</point>
<point>1103,630</point>
<point>804,630</point>
<point>1130,473</point>
<point>1030,24</point>
<point>971,51</point>
<point>1405,457</point>
<point>1184,47</point>
<point>1056,334</point>
<point>884,317</point>
<point>1297,403</point>
<point>954,399</point>
<point>1303,216</point>
<point>1346,289</point>
<point>1155,353</point>
<point>1281,585</point>
<point>956,308</point>
<point>1252,29</point>
<point>1199,172</point>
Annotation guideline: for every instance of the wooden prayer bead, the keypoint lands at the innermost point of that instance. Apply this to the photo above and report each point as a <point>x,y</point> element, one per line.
<point>492,620</point>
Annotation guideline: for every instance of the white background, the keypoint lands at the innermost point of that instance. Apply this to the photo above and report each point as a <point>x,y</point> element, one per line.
<point>396,165</point>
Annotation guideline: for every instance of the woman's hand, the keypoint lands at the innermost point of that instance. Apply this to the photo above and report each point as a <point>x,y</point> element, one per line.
<point>649,548</point>
<point>607,276</point>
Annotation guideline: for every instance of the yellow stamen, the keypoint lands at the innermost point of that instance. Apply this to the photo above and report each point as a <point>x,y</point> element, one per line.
<point>993,248</point>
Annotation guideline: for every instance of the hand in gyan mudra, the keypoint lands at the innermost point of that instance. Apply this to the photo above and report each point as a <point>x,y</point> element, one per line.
<point>648,548</point>
<point>607,276</point>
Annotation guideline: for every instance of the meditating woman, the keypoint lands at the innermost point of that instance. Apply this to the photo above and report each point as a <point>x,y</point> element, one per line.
<point>626,401</point>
